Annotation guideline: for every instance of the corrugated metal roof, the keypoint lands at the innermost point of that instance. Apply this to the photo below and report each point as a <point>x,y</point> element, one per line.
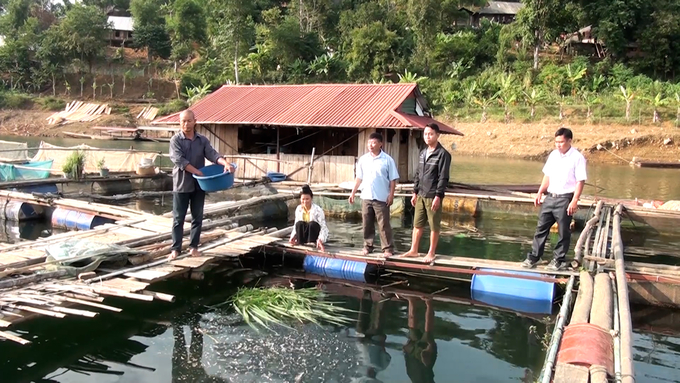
<point>121,23</point>
<point>319,105</point>
<point>501,8</point>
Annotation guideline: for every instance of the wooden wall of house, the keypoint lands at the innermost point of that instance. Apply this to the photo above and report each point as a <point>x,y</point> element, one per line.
<point>327,169</point>
<point>224,139</point>
<point>401,144</point>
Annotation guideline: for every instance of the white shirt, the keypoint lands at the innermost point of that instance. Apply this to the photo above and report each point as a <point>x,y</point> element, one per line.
<point>376,174</point>
<point>315,215</point>
<point>565,170</point>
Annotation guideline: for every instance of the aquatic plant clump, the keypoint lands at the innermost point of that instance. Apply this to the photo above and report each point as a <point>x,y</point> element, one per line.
<point>263,307</point>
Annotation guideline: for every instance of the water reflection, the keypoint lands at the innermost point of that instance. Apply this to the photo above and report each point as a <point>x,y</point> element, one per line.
<point>420,350</point>
<point>187,365</point>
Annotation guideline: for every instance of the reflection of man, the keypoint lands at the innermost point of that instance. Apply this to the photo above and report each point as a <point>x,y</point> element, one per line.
<point>371,344</point>
<point>189,368</point>
<point>420,351</point>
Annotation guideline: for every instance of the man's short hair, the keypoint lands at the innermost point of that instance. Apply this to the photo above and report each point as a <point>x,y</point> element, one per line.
<point>433,126</point>
<point>375,136</point>
<point>566,132</point>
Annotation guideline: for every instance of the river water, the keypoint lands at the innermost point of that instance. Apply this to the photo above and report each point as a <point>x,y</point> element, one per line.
<point>462,342</point>
<point>446,338</point>
<point>605,180</point>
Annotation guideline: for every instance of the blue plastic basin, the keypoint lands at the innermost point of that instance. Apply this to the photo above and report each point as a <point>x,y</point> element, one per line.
<point>276,177</point>
<point>214,178</point>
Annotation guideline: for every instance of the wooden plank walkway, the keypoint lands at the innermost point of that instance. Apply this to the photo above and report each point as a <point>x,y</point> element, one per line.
<point>28,289</point>
<point>443,263</point>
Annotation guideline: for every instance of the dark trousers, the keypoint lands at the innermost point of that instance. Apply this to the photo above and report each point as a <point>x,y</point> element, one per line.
<point>553,209</point>
<point>180,202</point>
<point>307,232</point>
<point>372,211</point>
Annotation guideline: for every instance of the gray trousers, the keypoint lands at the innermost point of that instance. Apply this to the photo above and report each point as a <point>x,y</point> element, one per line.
<point>553,209</point>
<point>372,211</point>
<point>180,202</point>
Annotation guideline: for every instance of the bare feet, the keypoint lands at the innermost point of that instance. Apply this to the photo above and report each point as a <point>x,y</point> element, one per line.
<point>173,254</point>
<point>365,252</point>
<point>410,254</point>
<point>387,255</point>
<point>194,252</point>
<point>429,258</point>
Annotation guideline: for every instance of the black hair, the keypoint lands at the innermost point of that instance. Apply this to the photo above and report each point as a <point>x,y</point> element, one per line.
<point>433,126</point>
<point>306,190</point>
<point>376,136</point>
<point>566,132</point>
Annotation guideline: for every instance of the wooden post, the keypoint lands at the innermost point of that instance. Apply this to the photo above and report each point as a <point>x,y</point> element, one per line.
<point>311,167</point>
<point>278,149</point>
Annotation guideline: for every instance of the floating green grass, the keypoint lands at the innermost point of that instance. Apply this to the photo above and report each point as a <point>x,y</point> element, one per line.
<point>265,307</point>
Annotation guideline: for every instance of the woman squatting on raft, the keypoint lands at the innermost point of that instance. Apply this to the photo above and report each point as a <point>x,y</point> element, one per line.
<point>310,222</point>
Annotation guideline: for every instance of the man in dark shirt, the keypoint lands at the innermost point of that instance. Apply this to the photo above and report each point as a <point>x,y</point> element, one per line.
<point>188,151</point>
<point>429,186</point>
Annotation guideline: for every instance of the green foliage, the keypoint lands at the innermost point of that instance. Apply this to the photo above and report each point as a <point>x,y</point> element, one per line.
<point>74,165</point>
<point>264,308</point>
<point>84,30</point>
<point>172,106</point>
<point>196,93</point>
<point>51,103</point>
<point>15,100</point>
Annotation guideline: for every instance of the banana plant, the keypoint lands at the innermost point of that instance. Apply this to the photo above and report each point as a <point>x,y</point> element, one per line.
<point>507,95</point>
<point>410,77</point>
<point>532,99</point>
<point>126,76</point>
<point>657,102</point>
<point>470,93</point>
<point>591,99</point>
<point>628,96</point>
<point>574,75</point>
<point>484,103</point>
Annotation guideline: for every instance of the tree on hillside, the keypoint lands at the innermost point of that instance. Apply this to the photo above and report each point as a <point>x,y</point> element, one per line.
<point>424,18</point>
<point>84,30</point>
<point>150,31</point>
<point>542,21</point>
<point>187,28</point>
<point>231,28</point>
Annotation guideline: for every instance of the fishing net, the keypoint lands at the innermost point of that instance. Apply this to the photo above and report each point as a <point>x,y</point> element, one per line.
<point>117,161</point>
<point>13,151</point>
<point>80,255</point>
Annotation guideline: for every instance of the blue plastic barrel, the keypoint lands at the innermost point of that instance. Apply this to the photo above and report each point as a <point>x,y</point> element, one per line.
<point>214,178</point>
<point>336,268</point>
<point>518,294</point>
<point>76,220</point>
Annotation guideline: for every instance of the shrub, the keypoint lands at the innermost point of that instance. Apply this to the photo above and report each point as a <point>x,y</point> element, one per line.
<point>15,100</point>
<point>51,103</point>
<point>172,106</point>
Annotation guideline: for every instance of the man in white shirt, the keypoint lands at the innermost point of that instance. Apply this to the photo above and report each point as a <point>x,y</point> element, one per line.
<point>377,174</point>
<point>563,180</point>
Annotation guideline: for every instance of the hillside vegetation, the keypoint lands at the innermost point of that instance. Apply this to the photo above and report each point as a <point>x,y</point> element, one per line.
<point>515,74</point>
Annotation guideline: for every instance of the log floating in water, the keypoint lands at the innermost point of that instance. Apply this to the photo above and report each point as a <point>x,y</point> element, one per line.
<point>584,299</point>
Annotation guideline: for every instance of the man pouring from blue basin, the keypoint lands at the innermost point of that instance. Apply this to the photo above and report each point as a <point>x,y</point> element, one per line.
<point>188,152</point>
<point>564,175</point>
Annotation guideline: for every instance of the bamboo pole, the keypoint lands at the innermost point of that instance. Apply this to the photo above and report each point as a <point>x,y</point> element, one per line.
<point>556,338</point>
<point>585,234</point>
<point>166,260</point>
<point>584,299</point>
<point>627,370</point>
<point>601,311</point>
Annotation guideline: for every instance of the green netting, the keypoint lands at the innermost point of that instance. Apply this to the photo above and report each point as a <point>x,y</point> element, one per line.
<point>341,207</point>
<point>13,151</point>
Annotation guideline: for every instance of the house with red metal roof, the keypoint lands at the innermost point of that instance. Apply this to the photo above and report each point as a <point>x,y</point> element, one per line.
<point>277,127</point>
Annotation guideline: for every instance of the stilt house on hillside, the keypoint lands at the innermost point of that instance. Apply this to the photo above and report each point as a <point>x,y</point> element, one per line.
<point>279,125</point>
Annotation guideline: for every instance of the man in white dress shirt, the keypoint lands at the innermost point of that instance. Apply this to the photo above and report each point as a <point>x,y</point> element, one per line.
<point>377,174</point>
<point>564,175</point>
